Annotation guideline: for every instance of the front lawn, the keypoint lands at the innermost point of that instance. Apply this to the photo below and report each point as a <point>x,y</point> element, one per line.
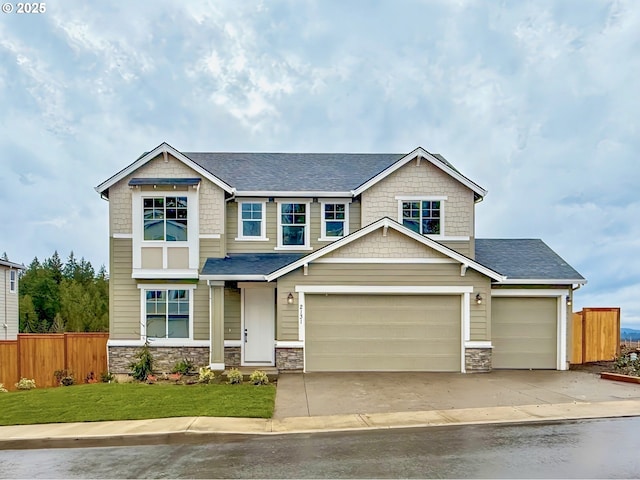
<point>135,401</point>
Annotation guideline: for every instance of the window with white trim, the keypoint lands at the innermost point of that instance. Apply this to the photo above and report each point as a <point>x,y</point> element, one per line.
<point>335,220</point>
<point>252,221</point>
<point>13,281</point>
<point>293,225</point>
<point>167,313</point>
<point>422,216</point>
<point>165,218</point>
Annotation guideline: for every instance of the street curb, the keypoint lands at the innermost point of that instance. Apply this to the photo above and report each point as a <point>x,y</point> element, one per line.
<point>194,429</point>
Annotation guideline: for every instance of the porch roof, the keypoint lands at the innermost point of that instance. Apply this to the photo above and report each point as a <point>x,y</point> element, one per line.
<point>246,266</point>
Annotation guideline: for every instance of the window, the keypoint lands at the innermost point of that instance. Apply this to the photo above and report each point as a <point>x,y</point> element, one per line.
<point>251,221</point>
<point>422,216</point>
<point>167,313</point>
<point>165,218</point>
<point>335,220</point>
<point>12,281</point>
<point>293,227</point>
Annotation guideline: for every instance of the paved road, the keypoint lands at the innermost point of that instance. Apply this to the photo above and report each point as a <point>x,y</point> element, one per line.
<point>579,449</point>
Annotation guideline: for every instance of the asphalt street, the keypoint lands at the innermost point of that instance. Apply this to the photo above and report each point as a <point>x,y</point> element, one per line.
<point>603,448</point>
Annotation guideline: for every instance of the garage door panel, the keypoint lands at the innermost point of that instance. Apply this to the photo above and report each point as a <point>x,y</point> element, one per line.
<point>382,333</point>
<point>524,332</point>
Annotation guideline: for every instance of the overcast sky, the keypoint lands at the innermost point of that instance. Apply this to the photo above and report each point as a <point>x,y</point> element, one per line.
<point>538,102</point>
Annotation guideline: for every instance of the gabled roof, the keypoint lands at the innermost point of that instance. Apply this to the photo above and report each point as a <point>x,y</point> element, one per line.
<point>162,149</point>
<point>288,174</point>
<point>436,160</point>
<point>525,261</point>
<point>246,266</point>
<point>385,223</point>
<point>7,263</point>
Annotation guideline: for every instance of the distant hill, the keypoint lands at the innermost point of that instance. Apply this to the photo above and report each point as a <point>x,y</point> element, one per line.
<point>629,334</point>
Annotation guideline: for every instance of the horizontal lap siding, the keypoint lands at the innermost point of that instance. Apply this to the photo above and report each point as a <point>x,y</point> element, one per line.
<point>210,248</point>
<point>201,312</point>
<point>385,274</point>
<point>232,314</point>
<point>124,316</point>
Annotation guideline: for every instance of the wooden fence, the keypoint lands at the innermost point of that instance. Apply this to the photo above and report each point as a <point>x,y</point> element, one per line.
<point>595,335</point>
<point>38,356</point>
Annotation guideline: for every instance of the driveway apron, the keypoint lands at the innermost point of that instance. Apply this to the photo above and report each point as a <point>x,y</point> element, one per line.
<point>315,394</point>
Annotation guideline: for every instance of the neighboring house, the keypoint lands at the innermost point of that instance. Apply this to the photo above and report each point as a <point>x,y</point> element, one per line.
<point>9,319</point>
<point>323,262</point>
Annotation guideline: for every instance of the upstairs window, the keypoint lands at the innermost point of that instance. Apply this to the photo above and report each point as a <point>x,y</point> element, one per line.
<point>13,280</point>
<point>165,218</point>
<point>167,313</point>
<point>423,216</point>
<point>293,225</point>
<point>335,220</point>
<point>251,221</point>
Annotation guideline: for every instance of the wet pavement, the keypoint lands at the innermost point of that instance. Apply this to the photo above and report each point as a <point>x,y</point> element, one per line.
<point>569,449</point>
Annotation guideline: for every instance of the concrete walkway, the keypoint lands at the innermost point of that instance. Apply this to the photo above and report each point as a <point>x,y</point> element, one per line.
<point>304,403</point>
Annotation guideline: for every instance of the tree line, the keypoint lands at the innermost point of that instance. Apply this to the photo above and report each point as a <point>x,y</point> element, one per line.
<point>63,297</point>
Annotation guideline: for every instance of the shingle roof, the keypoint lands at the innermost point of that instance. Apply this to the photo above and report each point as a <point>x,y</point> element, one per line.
<point>523,258</point>
<point>321,172</point>
<point>7,263</point>
<point>248,263</point>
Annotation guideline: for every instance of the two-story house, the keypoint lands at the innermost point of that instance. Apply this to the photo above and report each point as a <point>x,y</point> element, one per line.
<point>9,274</point>
<point>323,262</point>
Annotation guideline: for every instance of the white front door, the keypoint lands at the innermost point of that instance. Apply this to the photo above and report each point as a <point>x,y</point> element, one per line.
<point>258,326</point>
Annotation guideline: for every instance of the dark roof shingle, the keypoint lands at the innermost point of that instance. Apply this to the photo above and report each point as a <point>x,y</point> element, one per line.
<point>248,263</point>
<point>524,259</point>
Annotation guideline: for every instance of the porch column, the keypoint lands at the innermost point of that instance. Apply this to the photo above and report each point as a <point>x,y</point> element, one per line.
<point>216,322</point>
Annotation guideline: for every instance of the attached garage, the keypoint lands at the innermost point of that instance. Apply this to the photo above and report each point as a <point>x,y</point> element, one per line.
<point>524,332</point>
<point>382,332</point>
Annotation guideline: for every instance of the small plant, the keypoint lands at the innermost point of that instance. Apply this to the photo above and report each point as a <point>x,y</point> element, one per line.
<point>184,367</point>
<point>142,368</point>
<point>259,378</point>
<point>206,375</point>
<point>26,384</point>
<point>234,377</point>
<point>2,389</point>
<point>107,377</point>
<point>64,377</point>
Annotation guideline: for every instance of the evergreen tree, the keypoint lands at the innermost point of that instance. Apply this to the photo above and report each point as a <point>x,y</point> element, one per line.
<point>55,266</point>
<point>70,267</point>
<point>5,257</point>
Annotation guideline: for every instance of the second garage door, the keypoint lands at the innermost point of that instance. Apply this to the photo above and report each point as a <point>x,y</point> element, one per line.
<point>382,333</point>
<point>524,332</point>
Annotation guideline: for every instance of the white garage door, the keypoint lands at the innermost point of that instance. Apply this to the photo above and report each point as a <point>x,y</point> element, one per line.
<point>382,333</point>
<point>524,332</point>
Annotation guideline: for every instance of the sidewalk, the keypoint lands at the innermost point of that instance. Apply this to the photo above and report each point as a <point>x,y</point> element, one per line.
<point>157,430</point>
<point>596,399</point>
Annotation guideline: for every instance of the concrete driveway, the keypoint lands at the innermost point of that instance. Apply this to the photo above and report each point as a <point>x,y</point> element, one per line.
<point>315,394</point>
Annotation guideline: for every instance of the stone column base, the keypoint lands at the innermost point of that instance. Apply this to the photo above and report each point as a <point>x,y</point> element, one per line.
<point>477,360</point>
<point>289,359</point>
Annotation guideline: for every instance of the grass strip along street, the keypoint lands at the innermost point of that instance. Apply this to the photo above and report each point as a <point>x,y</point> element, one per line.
<point>135,401</point>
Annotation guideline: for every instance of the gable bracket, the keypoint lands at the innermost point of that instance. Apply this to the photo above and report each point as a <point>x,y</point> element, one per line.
<point>463,269</point>
<point>305,269</point>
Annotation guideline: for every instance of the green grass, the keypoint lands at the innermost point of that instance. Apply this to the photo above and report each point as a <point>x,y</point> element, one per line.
<point>134,401</point>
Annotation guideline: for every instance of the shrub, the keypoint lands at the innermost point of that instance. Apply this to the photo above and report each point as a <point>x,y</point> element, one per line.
<point>259,378</point>
<point>144,366</point>
<point>26,384</point>
<point>206,375</point>
<point>64,377</point>
<point>107,377</point>
<point>2,389</point>
<point>627,364</point>
<point>184,367</point>
<point>234,376</point>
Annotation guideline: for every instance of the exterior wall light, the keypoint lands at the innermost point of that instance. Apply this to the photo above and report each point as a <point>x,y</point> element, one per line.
<point>568,300</point>
<point>478,299</point>
<point>290,298</point>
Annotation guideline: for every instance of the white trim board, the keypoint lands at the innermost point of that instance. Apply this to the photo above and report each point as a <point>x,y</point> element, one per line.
<point>393,289</point>
<point>163,148</point>
<point>385,260</point>
<point>418,154</point>
<point>385,223</point>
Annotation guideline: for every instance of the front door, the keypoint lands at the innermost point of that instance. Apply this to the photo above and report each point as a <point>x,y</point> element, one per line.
<point>259,326</point>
